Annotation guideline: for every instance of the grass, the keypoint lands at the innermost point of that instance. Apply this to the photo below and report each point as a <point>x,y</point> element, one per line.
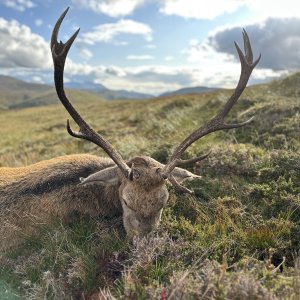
<point>237,237</point>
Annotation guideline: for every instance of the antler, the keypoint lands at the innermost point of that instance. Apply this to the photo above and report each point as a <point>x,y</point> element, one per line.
<point>59,54</point>
<point>217,122</point>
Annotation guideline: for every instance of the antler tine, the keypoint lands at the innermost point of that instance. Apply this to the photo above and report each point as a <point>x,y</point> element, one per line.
<point>247,47</point>
<point>217,122</point>
<point>182,162</point>
<point>178,186</point>
<point>59,53</point>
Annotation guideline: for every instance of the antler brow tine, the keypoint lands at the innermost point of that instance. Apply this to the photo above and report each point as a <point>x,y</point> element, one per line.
<point>59,54</point>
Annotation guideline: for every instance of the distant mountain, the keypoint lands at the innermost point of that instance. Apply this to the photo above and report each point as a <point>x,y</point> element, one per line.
<point>106,93</point>
<point>123,94</point>
<point>190,90</point>
<point>85,85</point>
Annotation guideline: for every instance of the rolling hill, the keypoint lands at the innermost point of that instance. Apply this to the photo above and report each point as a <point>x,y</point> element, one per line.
<point>15,93</point>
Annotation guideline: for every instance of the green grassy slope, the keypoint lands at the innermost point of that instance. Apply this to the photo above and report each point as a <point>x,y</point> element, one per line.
<point>237,237</point>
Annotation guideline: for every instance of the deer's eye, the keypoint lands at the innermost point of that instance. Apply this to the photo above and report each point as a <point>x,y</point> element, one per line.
<point>125,202</point>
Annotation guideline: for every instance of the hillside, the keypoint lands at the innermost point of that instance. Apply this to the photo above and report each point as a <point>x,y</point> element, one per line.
<point>237,237</point>
<point>288,86</point>
<point>14,91</point>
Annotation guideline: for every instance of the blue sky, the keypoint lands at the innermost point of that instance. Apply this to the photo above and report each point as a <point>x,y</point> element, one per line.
<point>150,46</point>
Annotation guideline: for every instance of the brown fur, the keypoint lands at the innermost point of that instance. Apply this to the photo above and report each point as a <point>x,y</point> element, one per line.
<point>57,180</point>
<point>30,194</point>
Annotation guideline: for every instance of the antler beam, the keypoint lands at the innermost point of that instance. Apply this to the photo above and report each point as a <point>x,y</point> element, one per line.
<point>217,123</point>
<point>59,54</point>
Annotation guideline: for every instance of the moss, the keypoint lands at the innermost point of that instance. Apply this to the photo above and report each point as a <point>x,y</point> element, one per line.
<point>9,285</point>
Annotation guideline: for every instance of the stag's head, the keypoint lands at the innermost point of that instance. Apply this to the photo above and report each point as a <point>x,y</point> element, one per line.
<point>143,194</point>
<point>142,180</point>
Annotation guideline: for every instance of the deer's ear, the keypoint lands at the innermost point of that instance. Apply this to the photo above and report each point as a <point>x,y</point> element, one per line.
<point>182,175</point>
<point>108,176</point>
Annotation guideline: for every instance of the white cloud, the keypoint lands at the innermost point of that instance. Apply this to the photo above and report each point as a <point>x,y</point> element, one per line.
<point>112,8</point>
<point>150,46</point>
<point>19,47</point>
<point>193,42</point>
<point>19,5</point>
<point>38,22</point>
<point>216,56</point>
<point>108,32</point>
<point>84,52</point>
<point>120,43</point>
<point>139,57</point>
<point>37,79</point>
<point>270,8</point>
<point>169,58</point>
<point>217,70</point>
<point>277,39</point>
<point>214,8</point>
<point>198,9</point>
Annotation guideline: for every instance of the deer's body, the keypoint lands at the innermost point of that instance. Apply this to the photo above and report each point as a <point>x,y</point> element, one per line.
<point>32,195</point>
<point>56,182</point>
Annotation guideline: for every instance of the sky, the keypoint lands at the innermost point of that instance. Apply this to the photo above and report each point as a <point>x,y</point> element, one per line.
<point>150,46</point>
